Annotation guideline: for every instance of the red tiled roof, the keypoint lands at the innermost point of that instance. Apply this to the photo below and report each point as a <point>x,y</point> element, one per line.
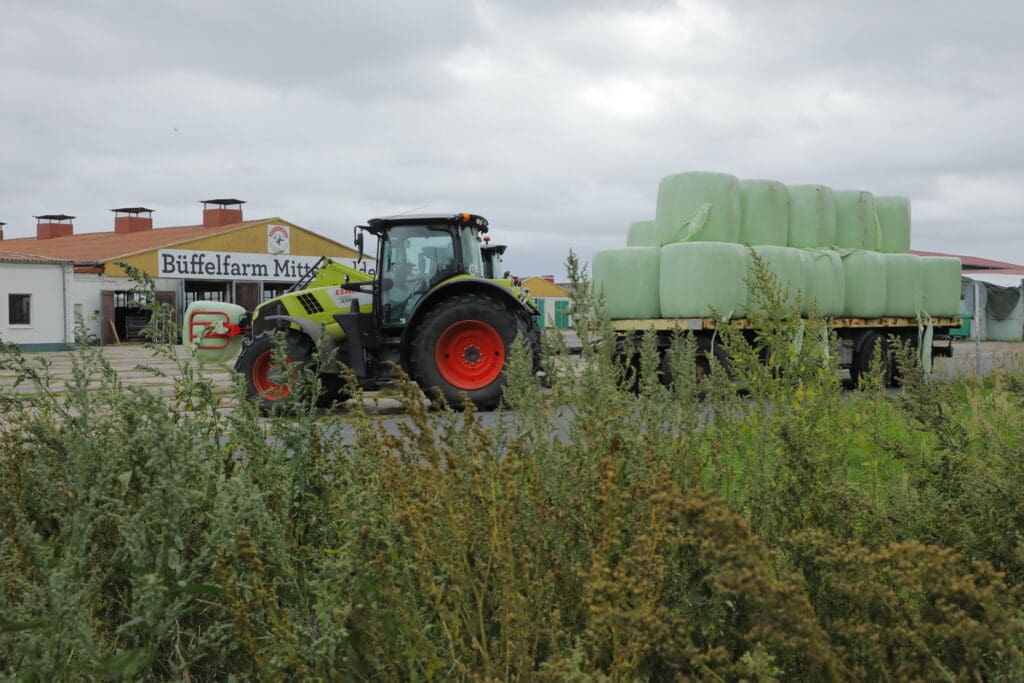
<point>95,247</point>
<point>1019,270</point>
<point>16,257</point>
<point>973,262</point>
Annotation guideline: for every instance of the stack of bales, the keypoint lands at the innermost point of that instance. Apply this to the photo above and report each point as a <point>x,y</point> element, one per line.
<point>843,253</point>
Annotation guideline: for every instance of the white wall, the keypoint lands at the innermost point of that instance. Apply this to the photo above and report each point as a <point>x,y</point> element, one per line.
<point>50,314</point>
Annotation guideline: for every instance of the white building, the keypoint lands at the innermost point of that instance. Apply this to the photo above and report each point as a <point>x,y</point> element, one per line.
<point>35,302</point>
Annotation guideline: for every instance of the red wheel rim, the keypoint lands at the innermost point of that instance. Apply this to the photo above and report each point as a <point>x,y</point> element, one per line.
<point>261,381</point>
<point>470,355</point>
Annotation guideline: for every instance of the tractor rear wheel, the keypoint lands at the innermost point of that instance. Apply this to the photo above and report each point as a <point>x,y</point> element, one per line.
<point>462,346</point>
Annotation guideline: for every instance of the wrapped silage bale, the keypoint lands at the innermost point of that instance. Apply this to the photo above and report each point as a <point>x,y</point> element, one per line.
<point>940,285</point>
<point>903,282</point>
<point>790,267</point>
<point>826,285</point>
<point>764,212</point>
<point>628,276</point>
<point>893,224</point>
<point>812,216</point>
<point>700,279</point>
<point>864,280</point>
<point>698,207</point>
<point>642,234</point>
<point>856,223</point>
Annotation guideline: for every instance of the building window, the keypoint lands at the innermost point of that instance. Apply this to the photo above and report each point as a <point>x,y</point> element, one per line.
<point>130,299</point>
<point>19,309</point>
<point>205,291</point>
<point>272,290</point>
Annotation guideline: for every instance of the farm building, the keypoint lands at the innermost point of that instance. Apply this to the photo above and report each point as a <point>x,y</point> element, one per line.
<point>223,258</point>
<point>553,302</point>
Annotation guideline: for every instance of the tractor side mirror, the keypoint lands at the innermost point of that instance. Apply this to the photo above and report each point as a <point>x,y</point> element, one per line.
<point>358,239</point>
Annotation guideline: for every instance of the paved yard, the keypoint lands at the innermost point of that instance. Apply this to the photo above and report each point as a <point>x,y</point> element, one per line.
<point>127,358</point>
<point>126,361</point>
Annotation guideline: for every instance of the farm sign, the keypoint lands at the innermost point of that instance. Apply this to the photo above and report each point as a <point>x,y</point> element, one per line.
<point>224,265</point>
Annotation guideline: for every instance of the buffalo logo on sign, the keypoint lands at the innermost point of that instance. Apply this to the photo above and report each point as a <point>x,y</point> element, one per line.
<point>278,239</point>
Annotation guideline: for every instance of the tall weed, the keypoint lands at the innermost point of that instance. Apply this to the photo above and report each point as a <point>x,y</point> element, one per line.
<point>611,527</point>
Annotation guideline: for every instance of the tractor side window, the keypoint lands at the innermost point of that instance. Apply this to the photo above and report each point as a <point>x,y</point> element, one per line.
<point>413,256</point>
<point>471,252</point>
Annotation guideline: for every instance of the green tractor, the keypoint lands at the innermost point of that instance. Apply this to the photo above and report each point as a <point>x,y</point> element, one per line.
<point>433,308</point>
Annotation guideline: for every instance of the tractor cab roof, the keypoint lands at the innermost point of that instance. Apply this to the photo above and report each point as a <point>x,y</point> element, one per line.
<point>379,225</point>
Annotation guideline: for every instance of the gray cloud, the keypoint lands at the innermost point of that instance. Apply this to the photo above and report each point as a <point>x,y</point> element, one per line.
<point>555,120</point>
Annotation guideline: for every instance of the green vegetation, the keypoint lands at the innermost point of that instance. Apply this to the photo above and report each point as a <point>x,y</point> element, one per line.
<point>795,532</point>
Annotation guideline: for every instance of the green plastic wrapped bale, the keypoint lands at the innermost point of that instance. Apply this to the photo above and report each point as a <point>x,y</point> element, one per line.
<point>903,283</point>
<point>642,234</point>
<point>856,226</point>
<point>790,268</point>
<point>893,224</point>
<point>698,207</point>
<point>764,212</point>
<point>702,279</point>
<point>864,277</point>
<point>629,279</point>
<point>826,285</point>
<point>940,284</point>
<point>812,216</point>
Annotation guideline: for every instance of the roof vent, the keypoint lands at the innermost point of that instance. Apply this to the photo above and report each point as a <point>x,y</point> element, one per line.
<point>218,212</point>
<point>53,225</point>
<point>130,219</point>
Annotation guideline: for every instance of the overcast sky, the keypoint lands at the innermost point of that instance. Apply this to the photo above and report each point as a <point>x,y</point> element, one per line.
<point>555,120</point>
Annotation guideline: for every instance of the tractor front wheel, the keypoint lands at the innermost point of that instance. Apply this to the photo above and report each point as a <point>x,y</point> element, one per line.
<point>271,379</point>
<point>461,348</point>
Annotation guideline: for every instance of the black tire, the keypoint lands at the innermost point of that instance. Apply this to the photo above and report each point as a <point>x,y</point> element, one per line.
<point>896,380</point>
<point>529,330</point>
<point>873,343</point>
<point>462,347</point>
<point>702,360</point>
<point>332,391</point>
<point>262,377</point>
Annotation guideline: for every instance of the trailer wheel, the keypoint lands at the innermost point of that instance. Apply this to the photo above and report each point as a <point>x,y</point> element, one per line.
<point>705,351</point>
<point>863,357</point>
<point>462,346</point>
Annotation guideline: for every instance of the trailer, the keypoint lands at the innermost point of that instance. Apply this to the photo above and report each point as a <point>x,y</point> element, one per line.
<point>859,338</point>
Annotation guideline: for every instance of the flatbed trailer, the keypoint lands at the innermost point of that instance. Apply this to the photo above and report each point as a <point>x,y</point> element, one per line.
<point>859,338</point>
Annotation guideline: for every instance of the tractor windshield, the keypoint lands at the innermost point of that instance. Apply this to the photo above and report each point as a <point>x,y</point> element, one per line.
<point>412,257</point>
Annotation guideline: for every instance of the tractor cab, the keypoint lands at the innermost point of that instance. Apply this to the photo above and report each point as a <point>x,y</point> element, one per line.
<point>415,253</point>
<point>492,258</point>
